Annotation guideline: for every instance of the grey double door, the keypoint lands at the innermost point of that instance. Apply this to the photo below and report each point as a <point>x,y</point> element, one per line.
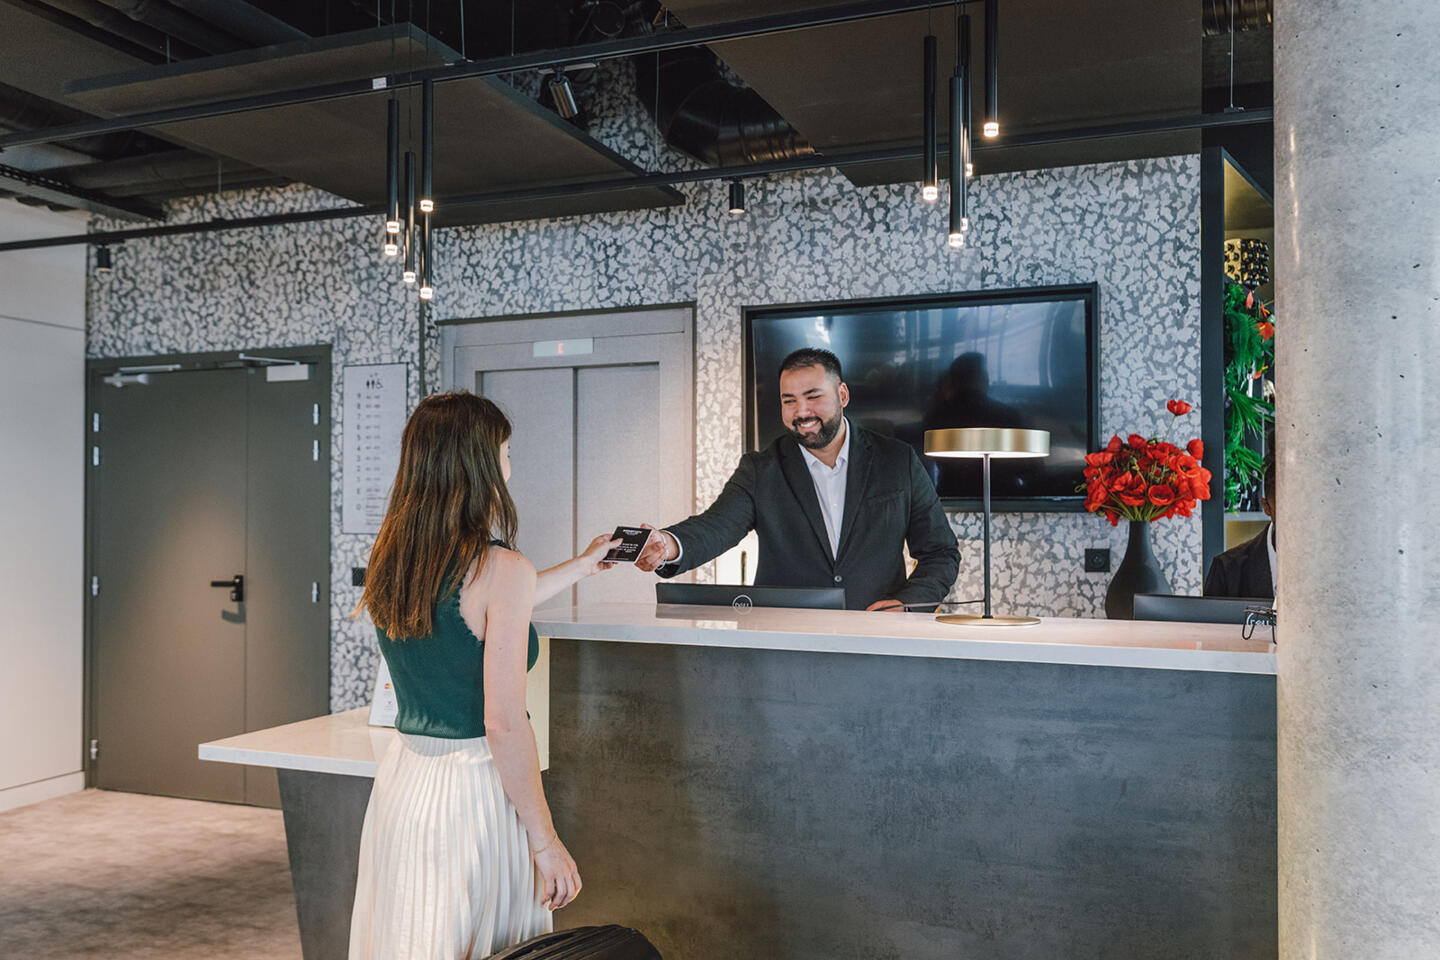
<point>198,477</point>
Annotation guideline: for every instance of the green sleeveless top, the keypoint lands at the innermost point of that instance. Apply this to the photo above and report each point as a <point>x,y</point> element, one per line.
<point>440,679</point>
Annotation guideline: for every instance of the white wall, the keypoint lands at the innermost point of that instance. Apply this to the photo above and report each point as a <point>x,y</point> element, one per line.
<point>42,507</point>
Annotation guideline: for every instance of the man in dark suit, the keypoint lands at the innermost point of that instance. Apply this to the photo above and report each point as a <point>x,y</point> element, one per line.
<point>833,504</point>
<point>1248,569</point>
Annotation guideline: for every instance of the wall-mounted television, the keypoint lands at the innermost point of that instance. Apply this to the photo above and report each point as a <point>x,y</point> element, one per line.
<point>996,358</point>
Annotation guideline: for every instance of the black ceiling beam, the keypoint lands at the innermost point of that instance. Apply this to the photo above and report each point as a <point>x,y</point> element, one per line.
<point>1137,128</point>
<point>494,66</point>
<point>45,189</point>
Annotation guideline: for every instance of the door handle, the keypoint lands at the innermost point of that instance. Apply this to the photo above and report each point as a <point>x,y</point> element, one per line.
<point>236,585</point>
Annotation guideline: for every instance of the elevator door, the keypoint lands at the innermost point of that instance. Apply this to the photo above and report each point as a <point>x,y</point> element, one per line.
<point>602,437</point>
<point>202,475</point>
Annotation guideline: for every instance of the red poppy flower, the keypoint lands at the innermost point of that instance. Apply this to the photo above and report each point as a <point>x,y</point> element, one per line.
<point>1114,446</point>
<point>1177,407</point>
<point>1138,442</point>
<point>1196,449</point>
<point>1161,494</point>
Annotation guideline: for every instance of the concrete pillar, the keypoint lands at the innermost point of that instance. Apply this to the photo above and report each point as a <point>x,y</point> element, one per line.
<point>1357,268</point>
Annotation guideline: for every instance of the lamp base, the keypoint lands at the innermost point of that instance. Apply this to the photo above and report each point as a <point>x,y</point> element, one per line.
<point>975,620</point>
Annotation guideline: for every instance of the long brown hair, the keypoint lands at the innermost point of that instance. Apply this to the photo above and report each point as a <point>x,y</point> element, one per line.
<point>449,501</point>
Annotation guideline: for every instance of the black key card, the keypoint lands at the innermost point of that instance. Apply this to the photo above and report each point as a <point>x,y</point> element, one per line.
<point>633,540</point>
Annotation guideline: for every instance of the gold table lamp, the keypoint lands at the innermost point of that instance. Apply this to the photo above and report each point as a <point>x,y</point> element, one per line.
<point>983,443</point>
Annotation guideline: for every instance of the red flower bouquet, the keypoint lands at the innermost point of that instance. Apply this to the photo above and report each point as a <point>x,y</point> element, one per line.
<point>1146,478</point>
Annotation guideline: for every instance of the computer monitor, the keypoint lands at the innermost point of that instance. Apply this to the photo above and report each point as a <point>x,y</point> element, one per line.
<point>742,597</point>
<point>1163,606</point>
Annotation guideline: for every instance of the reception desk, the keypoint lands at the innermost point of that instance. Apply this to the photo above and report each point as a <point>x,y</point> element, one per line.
<point>820,784</point>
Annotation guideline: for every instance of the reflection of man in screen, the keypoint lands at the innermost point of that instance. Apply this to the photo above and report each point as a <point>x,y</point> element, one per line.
<point>962,399</point>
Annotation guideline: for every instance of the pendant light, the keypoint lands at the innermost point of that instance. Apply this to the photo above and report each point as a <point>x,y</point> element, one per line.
<point>408,274</point>
<point>427,291</point>
<point>959,135</point>
<point>427,147</point>
<point>929,182</point>
<point>392,170</point>
<point>966,96</point>
<point>992,71</point>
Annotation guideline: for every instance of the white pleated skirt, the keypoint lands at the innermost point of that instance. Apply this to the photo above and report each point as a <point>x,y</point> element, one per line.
<point>445,869</point>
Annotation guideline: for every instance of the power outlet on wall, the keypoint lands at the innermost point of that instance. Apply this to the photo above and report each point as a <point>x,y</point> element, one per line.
<point>1097,560</point>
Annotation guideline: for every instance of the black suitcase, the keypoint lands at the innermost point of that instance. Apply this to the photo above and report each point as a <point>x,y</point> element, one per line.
<point>608,942</point>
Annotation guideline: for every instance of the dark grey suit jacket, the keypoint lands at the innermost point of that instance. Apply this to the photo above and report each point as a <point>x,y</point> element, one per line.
<point>1242,571</point>
<point>889,501</point>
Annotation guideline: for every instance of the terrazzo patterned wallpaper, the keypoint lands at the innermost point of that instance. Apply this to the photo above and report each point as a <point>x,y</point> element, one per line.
<point>1132,227</point>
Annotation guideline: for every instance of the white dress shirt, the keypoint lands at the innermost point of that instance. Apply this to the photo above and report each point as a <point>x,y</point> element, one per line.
<point>829,490</point>
<point>830,487</point>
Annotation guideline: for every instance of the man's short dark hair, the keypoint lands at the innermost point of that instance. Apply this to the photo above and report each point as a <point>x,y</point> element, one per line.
<point>812,357</point>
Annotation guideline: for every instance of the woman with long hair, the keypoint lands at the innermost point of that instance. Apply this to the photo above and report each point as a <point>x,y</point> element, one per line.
<point>458,854</point>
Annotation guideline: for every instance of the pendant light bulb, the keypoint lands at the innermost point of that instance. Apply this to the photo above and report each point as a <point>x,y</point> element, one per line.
<point>957,240</point>
<point>408,276</point>
<point>930,172</point>
<point>392,249</point>
<point>409,204</point>
<point>427,147</point>
<point>969,170</point>
<point>991,126</point>
<point>427,293</point>
<point>392,168</point>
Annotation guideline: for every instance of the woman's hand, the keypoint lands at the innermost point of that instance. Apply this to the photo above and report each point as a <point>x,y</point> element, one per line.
<point>591,561</point>
<point>559,877</point>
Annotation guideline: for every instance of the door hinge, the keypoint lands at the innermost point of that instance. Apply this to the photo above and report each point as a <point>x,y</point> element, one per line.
<point>95,423</point>
<point>315,414</point>
<point>314,591</point>
<point>315,451</point>
<point>95,456</point>
<point>94,586</point>
<point>94,749</point>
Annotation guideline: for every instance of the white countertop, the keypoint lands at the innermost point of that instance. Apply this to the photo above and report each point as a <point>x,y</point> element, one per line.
<point>1100,643</point>
<point>337,743</point>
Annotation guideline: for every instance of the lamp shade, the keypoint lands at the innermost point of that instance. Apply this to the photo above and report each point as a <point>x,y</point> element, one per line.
<point>998,442</point>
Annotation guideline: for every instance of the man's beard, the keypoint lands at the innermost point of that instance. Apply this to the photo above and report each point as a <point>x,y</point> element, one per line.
<point>822,437</point>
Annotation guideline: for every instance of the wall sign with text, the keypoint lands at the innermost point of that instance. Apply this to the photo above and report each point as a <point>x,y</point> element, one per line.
<point>373,419</point>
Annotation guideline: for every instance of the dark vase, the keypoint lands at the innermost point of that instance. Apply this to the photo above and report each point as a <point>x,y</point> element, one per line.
<point>1139,572</point>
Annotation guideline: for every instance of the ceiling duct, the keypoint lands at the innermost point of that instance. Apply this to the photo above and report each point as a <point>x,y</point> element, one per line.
<point>110,26</point>
<point>176,23</point>
<point>242,20</point>
<point>700,111</point>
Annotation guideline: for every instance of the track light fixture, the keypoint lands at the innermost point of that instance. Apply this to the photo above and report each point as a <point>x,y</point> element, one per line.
<point>392,170</point>
<point>992,71</point>
<point>562,94</point>
<point>427,146</point>
<point>408,271</point>
<point>737,196</point>
<point>930,176</point>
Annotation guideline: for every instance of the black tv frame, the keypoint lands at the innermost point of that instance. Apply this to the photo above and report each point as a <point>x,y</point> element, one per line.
<point>1089,293</point>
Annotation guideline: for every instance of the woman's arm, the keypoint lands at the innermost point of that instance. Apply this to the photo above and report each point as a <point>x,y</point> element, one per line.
<point>561,576</point>
<point>510,593</point>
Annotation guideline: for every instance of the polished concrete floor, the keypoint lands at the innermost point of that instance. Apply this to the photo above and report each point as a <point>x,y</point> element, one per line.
<point>131,877</point>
